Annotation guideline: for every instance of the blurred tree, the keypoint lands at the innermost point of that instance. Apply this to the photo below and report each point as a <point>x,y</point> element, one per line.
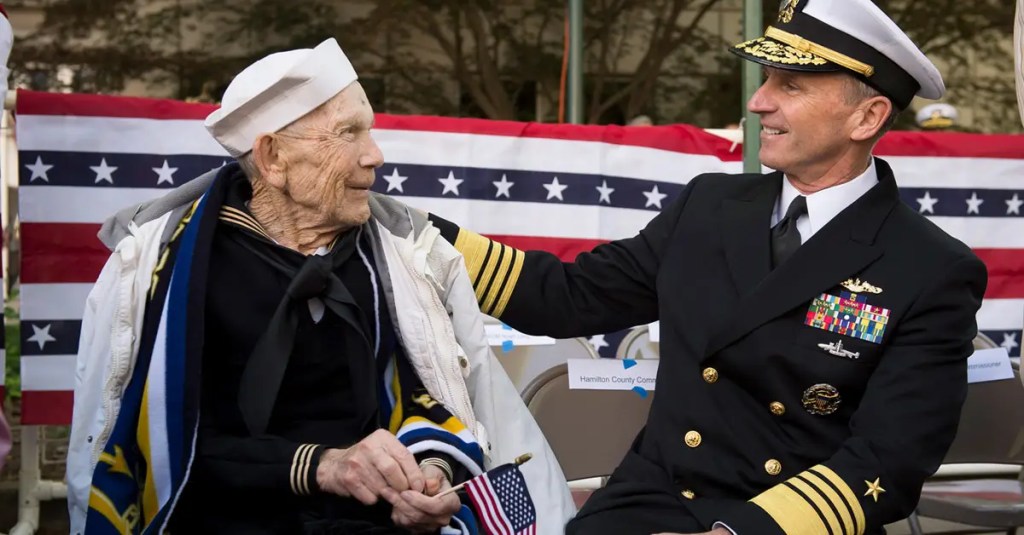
<point>454,57</point>
<point>99,45</point>
<point>973,42</point>
<point>497,51</point>
<point>486,58</point>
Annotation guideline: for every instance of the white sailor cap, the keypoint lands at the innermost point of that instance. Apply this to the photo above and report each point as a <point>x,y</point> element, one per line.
<point>847,35</point>
<point>937,116</point>
<point>275,91</point>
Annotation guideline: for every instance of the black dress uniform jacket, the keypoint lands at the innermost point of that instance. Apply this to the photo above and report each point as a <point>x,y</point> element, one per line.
<point>757,423</point>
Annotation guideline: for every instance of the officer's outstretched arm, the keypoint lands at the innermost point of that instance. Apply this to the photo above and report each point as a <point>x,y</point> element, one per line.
<point>901,431</point>
<point>612,287</point>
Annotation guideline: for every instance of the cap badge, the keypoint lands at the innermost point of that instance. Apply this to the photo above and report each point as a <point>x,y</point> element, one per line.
<point>786,10</point>
<point>821,399</point>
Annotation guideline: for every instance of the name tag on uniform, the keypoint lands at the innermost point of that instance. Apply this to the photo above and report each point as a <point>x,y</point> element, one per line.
<point>848,314</point>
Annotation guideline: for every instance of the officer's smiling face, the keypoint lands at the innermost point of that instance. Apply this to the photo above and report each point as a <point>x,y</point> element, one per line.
<point>806,122</point>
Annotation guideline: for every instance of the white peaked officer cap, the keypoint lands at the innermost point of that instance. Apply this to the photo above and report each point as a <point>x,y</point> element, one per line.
<point>275,91</point>
<point>847,35</point>
<point>937,116</point>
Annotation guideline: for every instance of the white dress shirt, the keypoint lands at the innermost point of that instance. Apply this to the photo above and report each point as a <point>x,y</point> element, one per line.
<point>823,205</point>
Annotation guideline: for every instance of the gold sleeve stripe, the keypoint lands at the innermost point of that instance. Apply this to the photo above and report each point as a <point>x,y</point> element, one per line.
<point>825,510</point>
<point>835,499</point>
<point>295,468</point>
<point>791,511</point>
<point>829,497</point>
<point>508,285</point>
<point>474,249</point>
<point>441,464</point>
<point>493,267</point>
<point>300,469</point>
<point>500,276</point>
<point>494,255</point>
<point>307,458</point>
<point>849,499</point>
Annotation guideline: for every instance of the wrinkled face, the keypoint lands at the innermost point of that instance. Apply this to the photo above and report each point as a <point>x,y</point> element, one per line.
<point>806,120</point>
<point>330,157</point>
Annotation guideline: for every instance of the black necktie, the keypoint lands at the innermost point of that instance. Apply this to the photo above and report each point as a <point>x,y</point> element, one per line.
<point>785,236</point>
<point>261,379</point>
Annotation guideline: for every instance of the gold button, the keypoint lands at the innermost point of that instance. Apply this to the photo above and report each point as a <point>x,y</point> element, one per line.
<point>688,494</point>
<point>692,439</point>
<point>464,362</point>
<point>773,467</point>
<point>710,375</point>
<point>778,409</point>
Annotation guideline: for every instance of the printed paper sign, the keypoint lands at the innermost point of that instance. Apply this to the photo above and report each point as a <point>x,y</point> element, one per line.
<point>989,365</point>
<point>654,331</point>
<point>504,336</point>
<point>612,374</point>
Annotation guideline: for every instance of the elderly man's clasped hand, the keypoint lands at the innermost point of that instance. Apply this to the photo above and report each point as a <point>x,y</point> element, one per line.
<point>380,467</point>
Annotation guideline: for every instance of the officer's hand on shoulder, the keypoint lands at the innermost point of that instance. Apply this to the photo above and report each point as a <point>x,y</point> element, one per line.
<point>378,466</point>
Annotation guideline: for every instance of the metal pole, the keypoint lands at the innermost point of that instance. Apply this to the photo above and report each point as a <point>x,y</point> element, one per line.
<point>751,81</point>
<point>576,61</point>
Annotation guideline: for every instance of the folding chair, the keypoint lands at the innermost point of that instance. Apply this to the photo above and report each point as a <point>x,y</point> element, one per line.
<point>637,345</point>
<point>991,431</point>
<point>589,430</point>
<point>524,364</point>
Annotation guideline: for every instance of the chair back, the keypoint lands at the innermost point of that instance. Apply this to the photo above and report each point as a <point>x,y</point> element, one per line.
<point>637,345</point>
<point>992,421</point>
<point>984,341</point>
<point>524,364</point>
<point>589,430</point>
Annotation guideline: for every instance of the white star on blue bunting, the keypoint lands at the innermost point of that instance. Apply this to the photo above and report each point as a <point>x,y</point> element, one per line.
<point>41,336</point>
<point>395,181</point>
<point>451,184</point>
<point>974,203</point>
<point>504,187</point>
<point>927,203</point>
<point>555,189</point>
<point>39,170</point>
<point>104,172</point>
<point>605,192</point>
<point>165,173</point>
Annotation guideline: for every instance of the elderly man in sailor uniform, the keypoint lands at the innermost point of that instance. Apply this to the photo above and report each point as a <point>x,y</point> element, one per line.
<point>814,329</point>
<point>269,350</point>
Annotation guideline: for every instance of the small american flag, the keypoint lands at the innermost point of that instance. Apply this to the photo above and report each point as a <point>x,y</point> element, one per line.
<point>503,502</point>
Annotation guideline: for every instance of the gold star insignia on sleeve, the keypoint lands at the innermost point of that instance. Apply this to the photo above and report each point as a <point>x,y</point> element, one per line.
<point>874,488</point>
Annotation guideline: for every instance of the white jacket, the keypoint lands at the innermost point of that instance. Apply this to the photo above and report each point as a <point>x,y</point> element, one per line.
<point>436,318</point>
